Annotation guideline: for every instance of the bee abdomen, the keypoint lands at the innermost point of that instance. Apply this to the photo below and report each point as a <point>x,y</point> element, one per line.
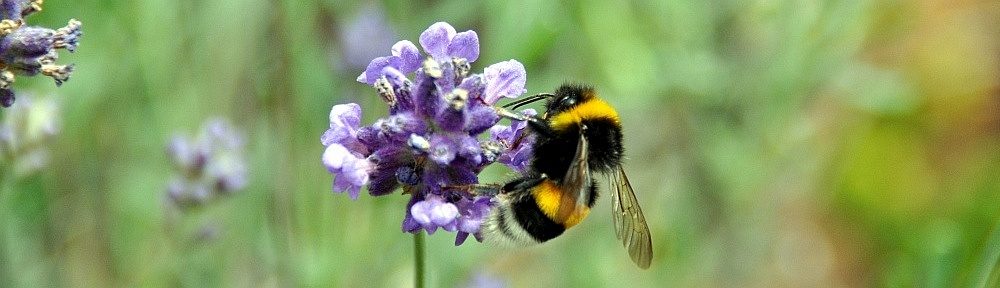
<point>534,221</point>
<point>518,223</point>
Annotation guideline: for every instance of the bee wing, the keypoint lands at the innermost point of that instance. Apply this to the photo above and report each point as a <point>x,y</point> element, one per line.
<point>630,224</point>
<point>578,176</point>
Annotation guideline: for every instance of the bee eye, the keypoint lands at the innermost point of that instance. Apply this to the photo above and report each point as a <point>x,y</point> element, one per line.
<point>566,102</point>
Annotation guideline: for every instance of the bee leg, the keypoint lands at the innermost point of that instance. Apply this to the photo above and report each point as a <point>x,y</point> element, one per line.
<point>536,123</point>
<point>503,112</point>
<point>488,190</point>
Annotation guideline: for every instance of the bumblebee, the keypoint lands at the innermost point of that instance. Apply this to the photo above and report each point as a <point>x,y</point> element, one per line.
<point>577,137</point>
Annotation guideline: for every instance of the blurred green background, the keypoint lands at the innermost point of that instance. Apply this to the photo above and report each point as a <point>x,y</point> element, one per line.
<point>774,143</point>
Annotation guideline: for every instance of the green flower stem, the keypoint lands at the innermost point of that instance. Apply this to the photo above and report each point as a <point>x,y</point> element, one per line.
<point>6,194</point>
<point>418,259</point>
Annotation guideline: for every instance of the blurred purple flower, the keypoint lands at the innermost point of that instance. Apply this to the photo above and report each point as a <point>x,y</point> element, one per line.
<point>26,129</point>
<point>209,165</point>
<point>428,144</point>
<point>484,279</point>
<point>361,37</point>
<point>31,50</point>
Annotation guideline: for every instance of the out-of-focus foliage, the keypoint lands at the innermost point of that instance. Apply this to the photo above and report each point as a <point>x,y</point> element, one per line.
<point>771,143</point>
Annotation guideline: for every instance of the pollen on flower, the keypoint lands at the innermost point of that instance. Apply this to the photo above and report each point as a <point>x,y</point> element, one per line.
<point>385,91</point>
<point>432,68</point>
<point>430,143</point>
<point>419,143</point>
<point>59,73</point>
<point>7,26</point>
<point>457,99</point>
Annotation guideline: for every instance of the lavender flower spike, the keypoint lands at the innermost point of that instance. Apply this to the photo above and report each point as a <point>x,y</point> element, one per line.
<point>429,144</point>
<point>30,50</point>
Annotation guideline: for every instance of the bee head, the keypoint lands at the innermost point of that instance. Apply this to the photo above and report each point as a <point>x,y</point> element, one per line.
<point>569,96</point>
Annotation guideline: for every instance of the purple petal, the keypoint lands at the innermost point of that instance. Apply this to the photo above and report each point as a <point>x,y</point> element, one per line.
<point>346,115</point>
<point>421,212</point>
<point>504,79</point>
<point>469,148</point>
<point>374,70</point>
<point>508,134</point>
<point>350,172</point>
<point>392,156</point>
<point>519,158</point>
<point>343,185</point>
<point>474,84</point>
<point>502,133</point>
<point>460,237</point>
<point>356,172</point>
<point>450,226</point>
<point>444,214</point>
<point>408,55</point>
<point>436,38</point>
<point>383,181</point>
<point>396,78</point>
<point>410,224</point>
<point>442,150</point>
<point>335,156</point>
<point>455,116</point>
<point>481,117</point>
<point>458,173</point>
<point>426,99</point>
<point>399,127</point>
<point>447,80</point>
<point>470,225</point>
<point>372,137</point>
<point>434,212</point>
<point>402,125</point>
<point>473,213</point>
<point>344,122</point>
<point>465,45</point>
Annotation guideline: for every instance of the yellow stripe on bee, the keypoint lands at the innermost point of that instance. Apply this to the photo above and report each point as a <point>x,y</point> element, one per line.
<point>558,205</point>
<point>592,108</point>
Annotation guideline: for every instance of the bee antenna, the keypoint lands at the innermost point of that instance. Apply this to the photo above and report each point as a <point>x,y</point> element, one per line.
<point>528,100</point>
